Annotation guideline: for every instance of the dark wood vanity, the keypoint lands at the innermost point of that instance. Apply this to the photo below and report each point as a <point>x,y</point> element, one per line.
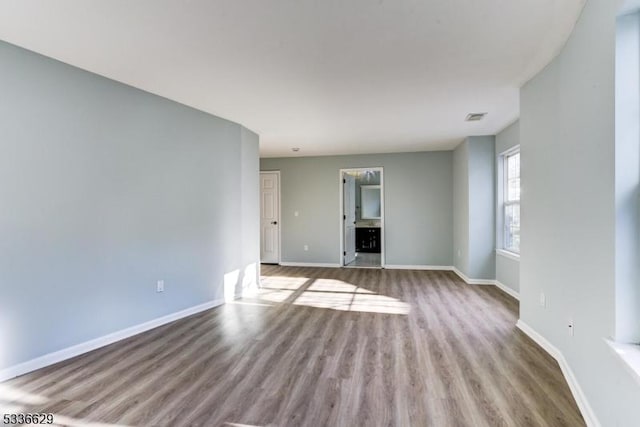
<point>368,239</point>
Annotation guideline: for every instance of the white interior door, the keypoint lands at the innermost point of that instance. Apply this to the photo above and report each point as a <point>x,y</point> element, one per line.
<point>349,216</point>
<point>269,217</point>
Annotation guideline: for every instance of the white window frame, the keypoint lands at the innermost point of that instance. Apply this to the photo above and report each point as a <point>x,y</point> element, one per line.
<point>504,199</point>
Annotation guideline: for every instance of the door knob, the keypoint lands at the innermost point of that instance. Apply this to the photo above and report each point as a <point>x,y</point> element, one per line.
<point>274,222</point>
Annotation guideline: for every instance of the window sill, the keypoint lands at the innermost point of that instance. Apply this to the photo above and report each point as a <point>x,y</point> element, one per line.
<point>629,354</point>
<point>511,255</point>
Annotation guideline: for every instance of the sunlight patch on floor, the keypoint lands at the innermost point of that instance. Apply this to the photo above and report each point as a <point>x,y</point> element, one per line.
<point>331,285</point>
<point>12,394</point>
<point>275,295</point>
<point>282,282</point>
<point>7,408</point>
<point>329,293</point>
<point>344,301</point>
<point>16,401</point>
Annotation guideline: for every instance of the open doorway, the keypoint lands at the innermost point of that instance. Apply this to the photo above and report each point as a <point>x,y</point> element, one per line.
<point>362,217</point>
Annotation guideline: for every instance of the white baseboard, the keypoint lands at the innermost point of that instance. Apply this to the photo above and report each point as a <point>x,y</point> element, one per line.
<point>504,288</point>
<point>471,281</point>
<point>418,267</point>
<point>507,290</point>
<point>87,346</point>
<point>583,404</point>
<point>310,264</point>
<point>507,254</point>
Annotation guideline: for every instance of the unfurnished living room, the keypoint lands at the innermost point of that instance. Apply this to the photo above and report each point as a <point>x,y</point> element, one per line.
<point>320,213</point>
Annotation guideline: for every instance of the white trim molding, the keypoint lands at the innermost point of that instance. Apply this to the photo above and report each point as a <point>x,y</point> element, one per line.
<point>507,290</point>
<point>87,346</point>
<point>504,288</point>
<point>508,254</point>
<point>341,173</point>
<point>419,267</point>
<point>629,356</point>
<point>510,150</point>
<point>471,281</point>
<point>310,264</point>
<point>583,404</point>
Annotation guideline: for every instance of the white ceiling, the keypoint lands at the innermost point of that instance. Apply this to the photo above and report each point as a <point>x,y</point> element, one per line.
<point>328,76</point>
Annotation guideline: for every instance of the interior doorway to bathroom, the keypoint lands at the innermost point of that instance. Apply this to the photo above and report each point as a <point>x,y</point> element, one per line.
<point>362,217</point>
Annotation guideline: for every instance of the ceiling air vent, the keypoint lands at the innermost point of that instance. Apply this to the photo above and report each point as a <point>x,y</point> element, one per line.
<point>474,117</point>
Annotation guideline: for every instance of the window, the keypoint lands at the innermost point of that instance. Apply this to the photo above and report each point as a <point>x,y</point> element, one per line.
<point>511,201</point>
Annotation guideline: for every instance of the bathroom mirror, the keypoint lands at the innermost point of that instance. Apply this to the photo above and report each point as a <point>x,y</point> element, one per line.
<point>370,201</point>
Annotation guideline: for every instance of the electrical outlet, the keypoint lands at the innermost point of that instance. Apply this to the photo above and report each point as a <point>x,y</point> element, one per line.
<point>296,213</point>
<point>543,300</point>
<point>458,253</point>
<point>160,286</point>
<point>306,247</point>
<point>571,327</point>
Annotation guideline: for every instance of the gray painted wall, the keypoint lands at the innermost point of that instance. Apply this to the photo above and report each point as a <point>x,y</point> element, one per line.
<point>106,189</point>
<point>482,206</point>
<point>461,207</point>
<point>507,269</point>
<point>568,241</point>
<point>508,272</point>
<point>418,206</point>
<point>249,267</point>
<point>508,138</point>
<point>474,207</point>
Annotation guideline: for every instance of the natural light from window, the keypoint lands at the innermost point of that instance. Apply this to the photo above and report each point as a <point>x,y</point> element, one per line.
<point>512,202</point>
<point>328,293</point>
<point>16,401</point>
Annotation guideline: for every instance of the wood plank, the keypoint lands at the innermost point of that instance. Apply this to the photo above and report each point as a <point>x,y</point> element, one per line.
<point>321,346</point>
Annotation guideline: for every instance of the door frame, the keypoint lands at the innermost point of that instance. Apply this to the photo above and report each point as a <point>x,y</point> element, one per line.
<point>346,225</point>
<point>341,212</point>
<point>277,172</point>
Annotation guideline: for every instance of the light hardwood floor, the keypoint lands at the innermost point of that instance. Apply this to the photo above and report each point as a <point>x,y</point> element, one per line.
<point>319,347</point>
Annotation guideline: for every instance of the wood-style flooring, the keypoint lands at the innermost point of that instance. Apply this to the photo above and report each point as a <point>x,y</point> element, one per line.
<point>318,347</point>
